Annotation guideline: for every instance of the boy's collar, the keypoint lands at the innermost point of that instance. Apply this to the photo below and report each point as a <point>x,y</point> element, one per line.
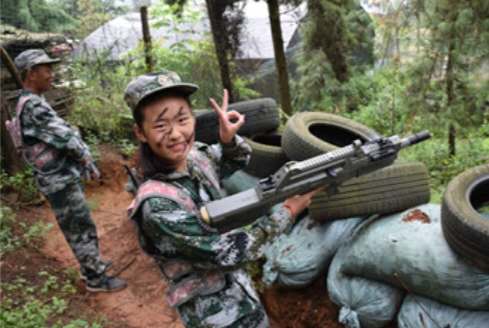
<point>174,175</point>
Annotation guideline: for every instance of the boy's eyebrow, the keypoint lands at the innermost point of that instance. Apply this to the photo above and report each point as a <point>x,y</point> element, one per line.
<point>160,115</point>
<point>180,112</point>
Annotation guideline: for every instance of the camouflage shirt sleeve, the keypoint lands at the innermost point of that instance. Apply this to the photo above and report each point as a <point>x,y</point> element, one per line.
<point>171,228</point>
<point>227,159</point>
<point>41,122</point>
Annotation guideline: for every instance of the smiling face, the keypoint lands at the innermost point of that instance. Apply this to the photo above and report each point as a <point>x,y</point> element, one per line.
<point>168,127</point>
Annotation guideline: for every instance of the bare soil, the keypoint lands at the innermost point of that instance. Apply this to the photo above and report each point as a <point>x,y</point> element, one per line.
<point>142,303</point>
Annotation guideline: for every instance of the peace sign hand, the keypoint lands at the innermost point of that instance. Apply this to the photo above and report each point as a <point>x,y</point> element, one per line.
<point>229,122</point>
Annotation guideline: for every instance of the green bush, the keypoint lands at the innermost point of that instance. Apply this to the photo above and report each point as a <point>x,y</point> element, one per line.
<point>441,166</point>
<point>26,234</point>
<point>7,241</point>
<point>26,304</point>
<point>29,302</point>
<point>23,183</point>
<point>99,108</point>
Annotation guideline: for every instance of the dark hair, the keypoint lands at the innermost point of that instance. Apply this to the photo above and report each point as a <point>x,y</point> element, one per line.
<point>148,163</point>
<point>23,74</point>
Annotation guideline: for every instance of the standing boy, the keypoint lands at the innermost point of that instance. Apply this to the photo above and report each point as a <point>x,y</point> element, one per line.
<point>59,158</point>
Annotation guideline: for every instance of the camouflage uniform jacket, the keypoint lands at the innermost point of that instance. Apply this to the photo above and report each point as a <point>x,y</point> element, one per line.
<point>177,233</point>
<point>41,126</point>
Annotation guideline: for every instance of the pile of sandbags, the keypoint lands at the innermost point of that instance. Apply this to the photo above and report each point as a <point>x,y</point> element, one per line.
<point>403,252</point>
<point>298,258</point>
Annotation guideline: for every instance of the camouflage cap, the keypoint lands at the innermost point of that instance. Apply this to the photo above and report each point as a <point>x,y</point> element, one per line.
<point>149,84</point>
<point>32,57</point>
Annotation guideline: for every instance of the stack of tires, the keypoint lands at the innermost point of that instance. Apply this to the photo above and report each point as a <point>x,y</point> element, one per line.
<point>261,124</point>
<point>392,189</point>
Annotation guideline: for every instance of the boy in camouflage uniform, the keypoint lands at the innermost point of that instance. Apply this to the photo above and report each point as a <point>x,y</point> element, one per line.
<point>206,285</point>
<point>59,157</point>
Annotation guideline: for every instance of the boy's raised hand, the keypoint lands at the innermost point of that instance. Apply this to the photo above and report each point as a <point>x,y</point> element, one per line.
<point>229,122</point>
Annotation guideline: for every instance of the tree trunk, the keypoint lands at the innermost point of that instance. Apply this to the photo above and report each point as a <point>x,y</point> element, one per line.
<point>449,91</point>
<point>219,36</point>
<point>146,39</point>
<point>280,60</point>
<point>329,34</point>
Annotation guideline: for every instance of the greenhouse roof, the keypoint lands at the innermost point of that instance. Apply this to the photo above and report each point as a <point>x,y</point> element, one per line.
<point>123,34</point>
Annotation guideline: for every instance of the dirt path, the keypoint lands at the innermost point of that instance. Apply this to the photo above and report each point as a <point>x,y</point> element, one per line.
<point>142,303</point>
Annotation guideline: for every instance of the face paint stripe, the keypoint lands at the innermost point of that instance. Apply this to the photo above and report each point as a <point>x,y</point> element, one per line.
<point>160,115</point>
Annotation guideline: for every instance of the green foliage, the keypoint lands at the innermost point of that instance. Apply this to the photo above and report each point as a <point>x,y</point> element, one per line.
<point>7,242</point>
<point>174,15</point>
<point>23,183</point>
<point>91,16</point>
<point>391,100</point>
<point>195,62</point>
<point>26,234</point>
<point>443,167</point>
<point>396,103</point>
<point>26,304</point>
<point>32,299</point>
<point>127,147</point>
<point>338,43</point>
<point>36,16</point>
<point>79,17</point>
<point>100,110</point>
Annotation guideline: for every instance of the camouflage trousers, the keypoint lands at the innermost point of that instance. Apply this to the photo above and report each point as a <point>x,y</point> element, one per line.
<point>73,216</point>
<point>236,306</point>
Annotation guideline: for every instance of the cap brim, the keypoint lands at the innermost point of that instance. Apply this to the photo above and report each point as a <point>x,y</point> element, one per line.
<point>47,61</point>
<point>185,89</point>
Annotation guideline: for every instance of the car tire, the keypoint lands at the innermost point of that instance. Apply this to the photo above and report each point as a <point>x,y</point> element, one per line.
<point>267,155</point>
<point>309,134</point>
<point>261,116</point>
<point>465,227</point>
<point>392,189</point>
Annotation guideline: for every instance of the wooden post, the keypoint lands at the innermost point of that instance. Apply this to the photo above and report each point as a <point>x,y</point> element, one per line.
<point>11,162</point>
<point>7,61</point>
<point>280,60</point>
<point>146,39</point>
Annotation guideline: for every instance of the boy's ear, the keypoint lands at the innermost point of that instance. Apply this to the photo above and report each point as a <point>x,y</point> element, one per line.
<point>139,133</point>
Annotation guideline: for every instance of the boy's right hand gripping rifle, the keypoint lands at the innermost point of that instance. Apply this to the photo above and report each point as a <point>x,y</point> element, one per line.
<point>296,178</point>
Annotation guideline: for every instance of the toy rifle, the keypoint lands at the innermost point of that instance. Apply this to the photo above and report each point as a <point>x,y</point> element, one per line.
<point>296,178</point>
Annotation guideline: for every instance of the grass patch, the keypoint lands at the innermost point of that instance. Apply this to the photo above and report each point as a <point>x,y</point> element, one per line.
<point>36,291</point>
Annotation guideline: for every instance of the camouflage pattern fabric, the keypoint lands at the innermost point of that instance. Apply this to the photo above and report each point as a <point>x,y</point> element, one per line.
<point>59,179</point>
<point>41,124</point>
<point>73,216</point>
<point>32,57</point>
<point>236,306</point>
<point>148,84</point>
<point>178,234</point>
